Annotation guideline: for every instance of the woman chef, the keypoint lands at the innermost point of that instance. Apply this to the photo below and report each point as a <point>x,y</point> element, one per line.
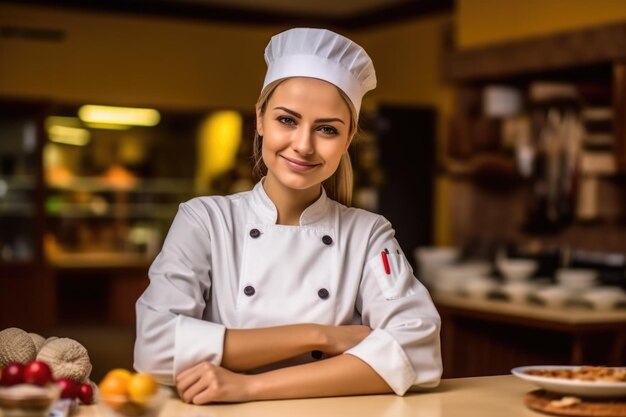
<point>285,291</point>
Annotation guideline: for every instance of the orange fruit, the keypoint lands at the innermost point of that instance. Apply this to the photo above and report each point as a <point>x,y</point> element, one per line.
<point>114,388</point>
<point>141,387</point>
<point>119,373</point>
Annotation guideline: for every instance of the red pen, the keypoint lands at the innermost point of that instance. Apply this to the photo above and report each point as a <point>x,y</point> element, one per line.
<point>386,263</point>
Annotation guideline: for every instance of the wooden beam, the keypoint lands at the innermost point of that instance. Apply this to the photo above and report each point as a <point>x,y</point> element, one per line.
<point>256,15</point>
<point>579,48</point>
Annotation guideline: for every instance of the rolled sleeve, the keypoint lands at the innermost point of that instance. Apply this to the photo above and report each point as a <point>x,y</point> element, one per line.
<point>385,355</point>
<point>197,341</point>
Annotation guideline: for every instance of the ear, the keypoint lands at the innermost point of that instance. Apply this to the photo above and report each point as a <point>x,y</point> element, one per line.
<point>259,122</point>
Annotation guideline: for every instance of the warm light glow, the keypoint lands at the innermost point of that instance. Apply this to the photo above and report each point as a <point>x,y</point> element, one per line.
<point>130,116</point>
<point>68,135</point>
<point>62,121</point>
<point>107,126</point>
<point>218,141</point>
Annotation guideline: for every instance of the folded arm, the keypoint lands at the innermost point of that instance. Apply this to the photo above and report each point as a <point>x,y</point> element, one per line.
<point>336,376</point>
<point>248,349</point>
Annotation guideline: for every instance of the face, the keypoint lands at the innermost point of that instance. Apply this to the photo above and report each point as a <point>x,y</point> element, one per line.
<point>306,130</point>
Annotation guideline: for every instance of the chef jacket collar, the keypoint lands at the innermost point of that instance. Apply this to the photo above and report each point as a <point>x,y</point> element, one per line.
<point>267,210</point>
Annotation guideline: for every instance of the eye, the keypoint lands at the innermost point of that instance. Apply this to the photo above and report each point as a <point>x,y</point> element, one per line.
<point>328,130</point>
<point>286,120</point>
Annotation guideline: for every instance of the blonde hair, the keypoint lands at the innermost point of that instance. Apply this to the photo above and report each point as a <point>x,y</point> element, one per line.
<point>339,185</point>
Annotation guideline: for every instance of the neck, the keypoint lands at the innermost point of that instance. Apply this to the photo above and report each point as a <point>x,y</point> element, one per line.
<point>290,203</point>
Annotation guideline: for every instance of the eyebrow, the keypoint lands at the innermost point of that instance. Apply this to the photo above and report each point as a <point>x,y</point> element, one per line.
<point>299,116</point>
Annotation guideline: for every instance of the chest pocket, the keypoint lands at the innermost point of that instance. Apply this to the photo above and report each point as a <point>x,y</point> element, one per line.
<point>287,276</point>
<point>393,274</point>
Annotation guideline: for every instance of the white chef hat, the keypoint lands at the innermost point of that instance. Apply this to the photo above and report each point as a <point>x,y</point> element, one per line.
<point>320,53</point>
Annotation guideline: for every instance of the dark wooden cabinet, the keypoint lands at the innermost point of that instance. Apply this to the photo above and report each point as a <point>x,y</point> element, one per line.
<point>619,107</point>
<point>492,337</point>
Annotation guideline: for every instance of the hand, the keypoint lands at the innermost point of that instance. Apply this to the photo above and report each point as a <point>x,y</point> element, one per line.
<point>205,383</point>
<point>341,338</point>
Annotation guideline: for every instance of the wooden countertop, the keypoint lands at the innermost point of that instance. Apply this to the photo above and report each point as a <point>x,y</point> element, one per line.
<point>481,397</point>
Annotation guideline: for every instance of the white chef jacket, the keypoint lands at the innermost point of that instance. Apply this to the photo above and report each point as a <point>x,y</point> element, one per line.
<point>226,264</point>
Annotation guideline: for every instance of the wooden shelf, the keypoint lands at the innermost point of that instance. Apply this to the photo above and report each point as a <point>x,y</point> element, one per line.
<point>99,260</point>
<point>98,184</point>
<point>561,318</point>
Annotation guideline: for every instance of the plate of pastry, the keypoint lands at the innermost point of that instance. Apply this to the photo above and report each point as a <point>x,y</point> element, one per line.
<point>583,381</point>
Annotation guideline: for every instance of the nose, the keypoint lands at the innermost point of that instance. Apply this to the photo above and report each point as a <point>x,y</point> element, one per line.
<point>302,142</point>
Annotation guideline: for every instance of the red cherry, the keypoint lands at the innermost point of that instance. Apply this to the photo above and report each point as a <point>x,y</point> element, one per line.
<point>38,373</point>
<point>69,388</point>
<point>85,393</point>
<point>12,374</point>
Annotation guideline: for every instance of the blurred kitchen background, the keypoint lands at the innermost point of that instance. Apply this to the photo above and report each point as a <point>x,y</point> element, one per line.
<point>495,143</point>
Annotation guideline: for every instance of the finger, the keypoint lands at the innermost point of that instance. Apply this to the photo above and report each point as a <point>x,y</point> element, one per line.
<point>184,383</point>
<point>194,390</point>
<point>205,396</point>
<point>186,372</point>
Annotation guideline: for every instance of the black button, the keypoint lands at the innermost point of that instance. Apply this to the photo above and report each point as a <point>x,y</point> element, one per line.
<point>323,293</point>
<point>327,240</point>
<point>255,233</point>
<point>316,354</point>
<point>249,291</point>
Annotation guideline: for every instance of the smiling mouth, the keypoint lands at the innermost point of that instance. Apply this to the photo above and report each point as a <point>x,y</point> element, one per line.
<point>299,165</point>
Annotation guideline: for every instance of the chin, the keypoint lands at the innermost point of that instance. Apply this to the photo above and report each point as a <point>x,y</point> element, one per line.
<point>299,182</point>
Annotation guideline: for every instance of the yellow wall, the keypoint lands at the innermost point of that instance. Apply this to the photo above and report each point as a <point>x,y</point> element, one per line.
<point>406,56</point>
<point>130,60</point>
<point>481,22</point>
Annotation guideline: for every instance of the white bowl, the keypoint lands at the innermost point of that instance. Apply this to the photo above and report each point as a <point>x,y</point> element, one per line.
<point>452,278</point>
<point>604,298</point>
<point>430,259</point>
<point>448,279</point>
<point>517,269</point>
<point>26,400</point>
<point>553,296</point>
<point>122,406</point>
<point>479,287</point>
<point>518,292</point>
<point>476,268</point>
<point>576,278</point>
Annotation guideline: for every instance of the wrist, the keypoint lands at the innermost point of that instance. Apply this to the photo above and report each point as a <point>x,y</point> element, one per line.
<point>320,337</point>
<point>255,386</point>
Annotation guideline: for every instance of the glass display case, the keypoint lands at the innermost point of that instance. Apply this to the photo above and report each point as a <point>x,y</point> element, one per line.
<point>112,190</point>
